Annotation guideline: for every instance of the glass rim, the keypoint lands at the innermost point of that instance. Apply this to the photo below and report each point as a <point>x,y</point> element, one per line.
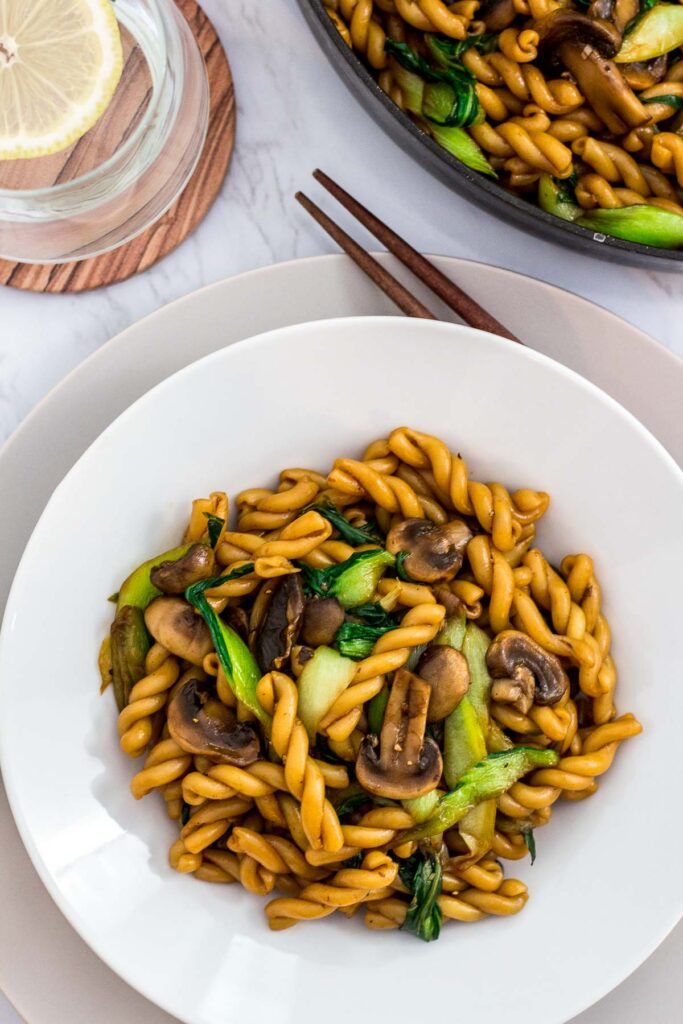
<point>168,19</point>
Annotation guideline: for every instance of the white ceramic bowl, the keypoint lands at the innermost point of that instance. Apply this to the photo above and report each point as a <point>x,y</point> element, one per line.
<point>606,887</point>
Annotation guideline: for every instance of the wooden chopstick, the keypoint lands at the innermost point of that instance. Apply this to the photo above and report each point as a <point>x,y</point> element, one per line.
<point>386,281</point>
<point>449,292</point>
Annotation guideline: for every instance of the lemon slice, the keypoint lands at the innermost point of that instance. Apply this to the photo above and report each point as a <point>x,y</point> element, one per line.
<point>60,63</point>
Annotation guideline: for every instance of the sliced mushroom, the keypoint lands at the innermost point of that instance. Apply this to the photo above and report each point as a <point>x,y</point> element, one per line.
<point>434,553</point>
<point>237,619</point>
<point>322,618</point>
<point>515,657</point>
<point>519,692</point>
<point>201,725</point>
<point>446,671</point>
<point>584,45</point>
<point>619,12</point>
<point>280,622</point>
<point>299,657</point>
<point>408,763</point>
<point>175,624</point>
<point>451,602</point>
<point>496,14</point>
<point>196,564</point>
<point>645,73</point>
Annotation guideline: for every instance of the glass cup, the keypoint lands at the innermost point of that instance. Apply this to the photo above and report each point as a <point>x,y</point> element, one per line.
<point>129,168</point>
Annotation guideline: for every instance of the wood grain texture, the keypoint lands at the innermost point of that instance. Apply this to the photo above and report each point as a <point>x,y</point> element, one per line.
<point>186,213</point>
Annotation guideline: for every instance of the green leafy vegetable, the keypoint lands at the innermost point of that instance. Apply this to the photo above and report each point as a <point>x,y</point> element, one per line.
<point>452,633</point>
<point>676,102</point>
<point>463,147</point>
<point>354,862</point>
<point>449,97</point>
<point>496,738</point>
<point>237,661</point>
<point>129,638</point>
<point>374,615</point>
<point>138,590</point>
<point>421,874</point>
<point>346,801</point>
<point>464,742</point>
<point>129,643</point>
<point>351,534</point>
<point>557,197</point>
<point>530,842</point>
<point>185,814</point>
<point>215,525</point>
<point>445,51</point>
<point>356,640</point>
<point>352,582</point>
<point>400,571</point>
<point>376,709</point>
<point>422,807</point>
<point>656,30</point>
<point>486,780</point>
<point>353,802</point>
<point>324,678</point>
<point>647,224</point>
<point>474,647</point>
<point>465,731</point>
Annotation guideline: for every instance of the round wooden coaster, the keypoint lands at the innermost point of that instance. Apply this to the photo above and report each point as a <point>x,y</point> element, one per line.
<point>186,213</point>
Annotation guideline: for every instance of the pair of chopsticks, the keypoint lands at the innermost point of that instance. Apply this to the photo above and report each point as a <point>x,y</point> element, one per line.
<point>450,293</point>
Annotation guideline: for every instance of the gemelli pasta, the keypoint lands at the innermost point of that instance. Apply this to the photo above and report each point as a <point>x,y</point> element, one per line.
<point>366,690</point>
<point>575,106</point>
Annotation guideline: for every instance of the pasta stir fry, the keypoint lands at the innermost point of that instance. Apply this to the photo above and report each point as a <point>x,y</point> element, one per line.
<point>368,693</point>
<point>575,105</point>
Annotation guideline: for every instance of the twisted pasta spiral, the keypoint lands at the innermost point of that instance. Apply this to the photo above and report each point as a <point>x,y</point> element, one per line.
<point>347,887</point>
<point>146,698</point>
<point>498,513</point>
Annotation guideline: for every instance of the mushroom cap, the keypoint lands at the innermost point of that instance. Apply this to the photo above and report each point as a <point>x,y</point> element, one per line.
<point>407,764</point>
<point>448,675</point>
<point>281,613</point>
<point>299,657</point>
<point>176,626</point>
<point>512,653</point>
<point>322,618</point>
<point>619,12</point>
<point>434,553</point>
<point>567,26</point>
<point>603,85</point>
<point>174,577</point>
<point>451,602</point>
<point>645,73</point>
<point>496,14</point>
<point>218,737</point>
<point>396,783</point>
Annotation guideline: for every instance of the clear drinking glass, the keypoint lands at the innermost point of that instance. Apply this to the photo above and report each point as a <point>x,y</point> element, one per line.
<point>132,164</point>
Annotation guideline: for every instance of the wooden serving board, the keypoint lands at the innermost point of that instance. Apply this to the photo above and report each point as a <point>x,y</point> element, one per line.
<point>186,213</point>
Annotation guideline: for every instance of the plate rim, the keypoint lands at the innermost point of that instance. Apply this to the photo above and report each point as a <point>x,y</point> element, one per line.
<point>49,881</point>
<point>93,357</point>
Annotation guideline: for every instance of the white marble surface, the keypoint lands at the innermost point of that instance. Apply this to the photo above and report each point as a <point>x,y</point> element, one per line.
<point>294,115</point>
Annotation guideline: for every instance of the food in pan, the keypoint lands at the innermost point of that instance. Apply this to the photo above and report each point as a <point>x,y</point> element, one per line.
<point>576,106</point>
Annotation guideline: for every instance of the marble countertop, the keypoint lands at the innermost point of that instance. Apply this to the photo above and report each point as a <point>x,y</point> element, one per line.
<point>294,114</point>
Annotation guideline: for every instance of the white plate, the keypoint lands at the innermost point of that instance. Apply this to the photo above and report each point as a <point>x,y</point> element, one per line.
<point>299,396</point>
<point>72,982</point>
